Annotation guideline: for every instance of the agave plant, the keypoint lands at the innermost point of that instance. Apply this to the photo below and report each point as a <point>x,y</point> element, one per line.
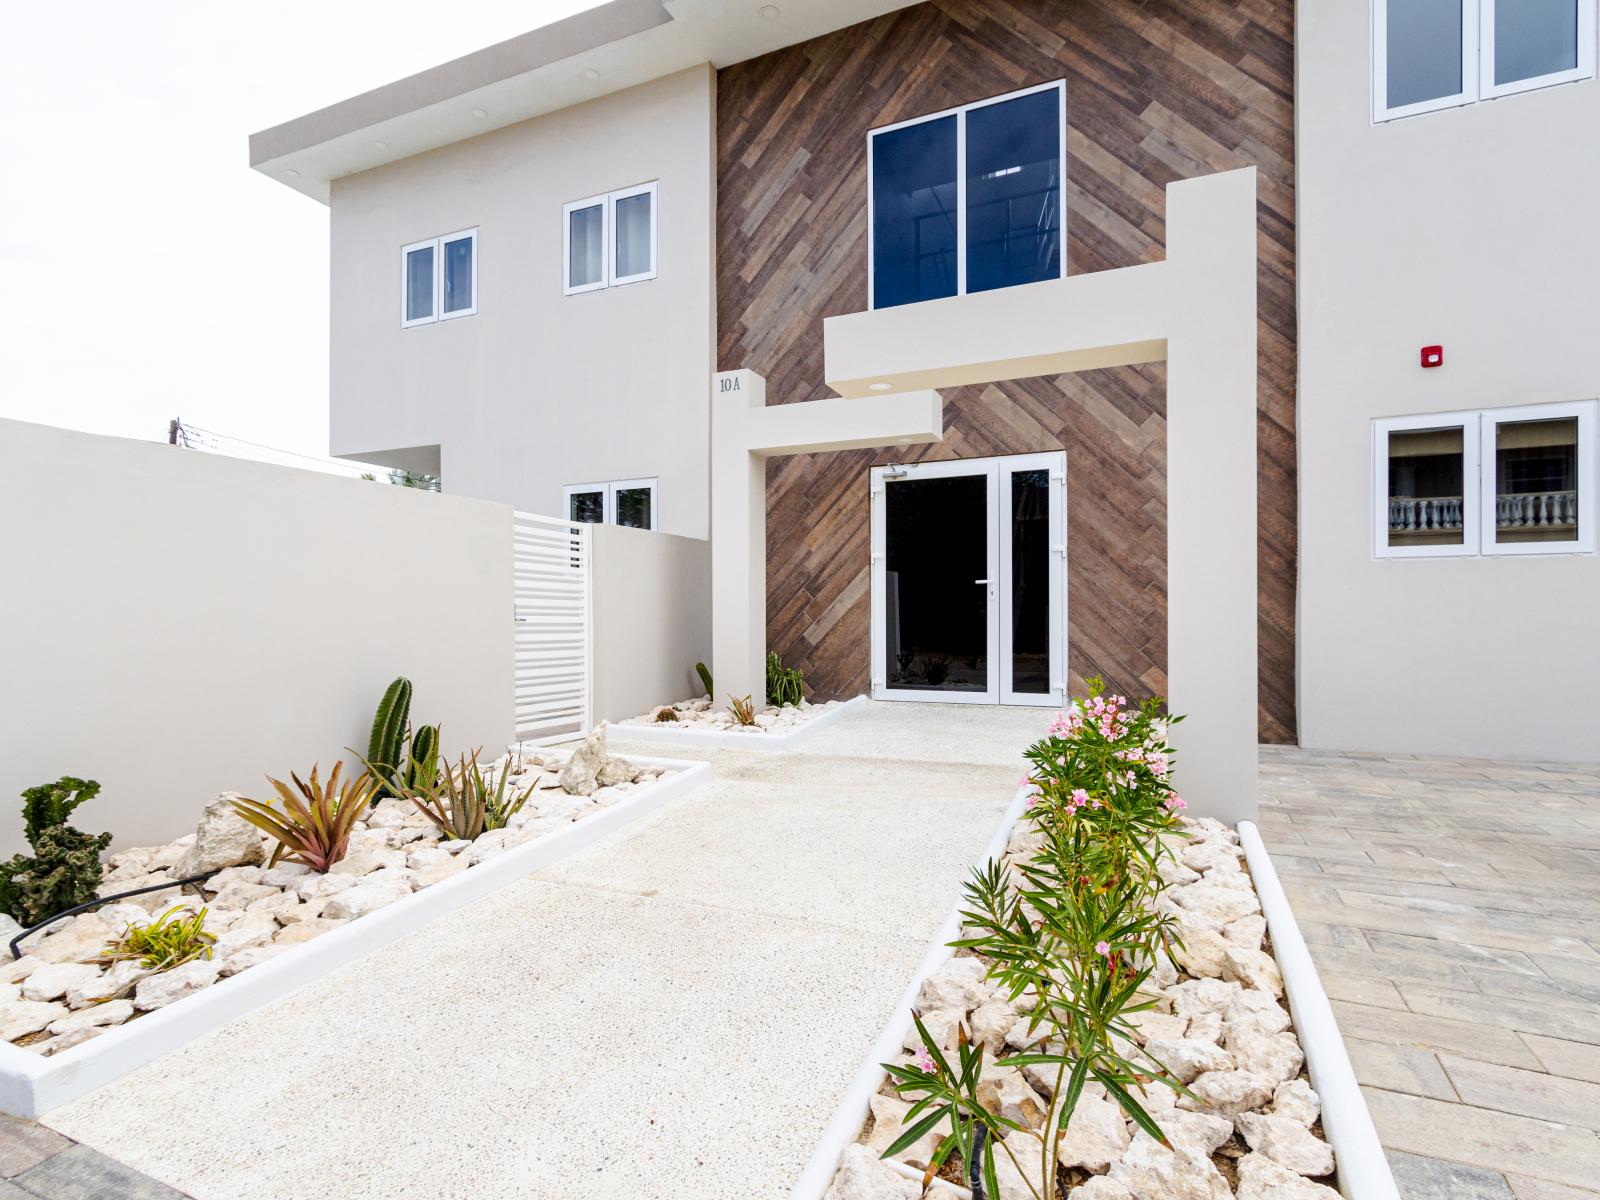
<point>744,711</point>
<point>464,804</point>
<point>314,826</point>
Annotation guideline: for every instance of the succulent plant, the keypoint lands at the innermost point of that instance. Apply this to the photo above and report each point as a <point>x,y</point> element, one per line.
<point>387,743</point>
<point>169,941</point>
<point>785,685</point>
<point>701,670</point>
<point>64,870</point>
<point>422,763</point>
<point>314,826</point>
<point>666,713</point>
<point>464,805</point>
<point>744,711</point>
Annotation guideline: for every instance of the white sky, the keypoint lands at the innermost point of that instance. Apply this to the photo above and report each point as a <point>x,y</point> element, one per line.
<point>149,273</point>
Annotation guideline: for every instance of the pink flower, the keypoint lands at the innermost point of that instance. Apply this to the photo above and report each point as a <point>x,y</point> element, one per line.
<point>924,1062</point>
<point>1103,949</point>
<point>1175,803</point>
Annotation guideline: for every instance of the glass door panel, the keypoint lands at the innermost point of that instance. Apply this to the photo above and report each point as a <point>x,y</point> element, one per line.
<point>937,584</point>
<point>1030,562</point>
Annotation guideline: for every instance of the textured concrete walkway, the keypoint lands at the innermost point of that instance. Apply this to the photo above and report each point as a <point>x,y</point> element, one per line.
<point>672,1013</point>
<point>1454,913</point>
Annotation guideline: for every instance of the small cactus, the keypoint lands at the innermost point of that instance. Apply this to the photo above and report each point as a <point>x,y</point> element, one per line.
<point>666,713</point>
<point>705,678</point>
<point>422,766</point>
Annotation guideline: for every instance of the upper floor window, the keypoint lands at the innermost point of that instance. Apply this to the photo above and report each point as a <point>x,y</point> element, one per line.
<point>967,200</point>
<point>439,278</point>
<point>1502,481</point>
<point>1429,54</point>
<point>610,239</point>
<point>630,502</point>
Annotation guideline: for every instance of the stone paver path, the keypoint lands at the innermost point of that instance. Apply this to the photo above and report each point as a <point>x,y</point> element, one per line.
<point>1453,910</point>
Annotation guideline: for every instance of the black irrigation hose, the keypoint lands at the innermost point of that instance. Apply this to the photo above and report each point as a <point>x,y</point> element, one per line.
<point>98,901</point>
<point>975,1167</point>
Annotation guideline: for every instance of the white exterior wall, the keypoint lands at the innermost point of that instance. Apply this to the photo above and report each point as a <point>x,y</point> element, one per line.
<point>179,624</point>
<point>538,390</point>
<point>1475,228</point>
<point>651,619</point>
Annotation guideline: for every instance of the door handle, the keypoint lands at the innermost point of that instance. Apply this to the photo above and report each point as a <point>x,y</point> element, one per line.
<point>980,581</point>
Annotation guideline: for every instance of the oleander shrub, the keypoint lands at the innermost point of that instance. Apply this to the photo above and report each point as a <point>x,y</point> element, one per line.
<point>1076,924</point>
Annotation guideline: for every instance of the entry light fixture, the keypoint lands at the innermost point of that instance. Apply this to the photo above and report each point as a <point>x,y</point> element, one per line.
<point>481,114</point>
<point>880,386</point>
<point>769,12</point>
<point>291,173</point>
<point>591,74</point>
<point>380,147</point>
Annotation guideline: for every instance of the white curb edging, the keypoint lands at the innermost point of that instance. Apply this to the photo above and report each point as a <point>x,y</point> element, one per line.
<point>845,1124</point>
<point>31,1085</point>
<point>1363,1168</point>
<point>664,734</point>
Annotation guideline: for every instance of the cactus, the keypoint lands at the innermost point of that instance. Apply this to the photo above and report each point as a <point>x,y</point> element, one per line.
<point>386,746</point>
<point>65,869</point>
<point>785,685</point>
<point>422,767</point>
<point>705,678</point>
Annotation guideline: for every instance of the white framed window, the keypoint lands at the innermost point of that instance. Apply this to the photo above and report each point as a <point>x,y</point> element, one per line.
<point>1499,481</point>
<point>439,278</point>
<point>968,199</point>
<point>609,240</point>
<point>628,502</point>
<point>1433,54</point>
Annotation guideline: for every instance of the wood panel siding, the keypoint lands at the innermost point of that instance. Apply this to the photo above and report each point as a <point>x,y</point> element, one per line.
<point>1157,90</point>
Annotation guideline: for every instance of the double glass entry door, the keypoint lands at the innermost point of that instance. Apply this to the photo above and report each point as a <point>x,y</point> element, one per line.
<point>968,580</point>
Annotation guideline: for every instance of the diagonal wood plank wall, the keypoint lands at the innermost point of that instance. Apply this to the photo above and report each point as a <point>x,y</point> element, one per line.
<point>1157,90</point>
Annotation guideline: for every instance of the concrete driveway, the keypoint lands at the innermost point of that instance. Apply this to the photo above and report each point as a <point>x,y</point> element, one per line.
<point>674,1012</point>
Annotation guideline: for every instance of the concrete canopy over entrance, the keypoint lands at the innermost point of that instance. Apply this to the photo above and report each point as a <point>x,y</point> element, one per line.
<point>1196,310</point>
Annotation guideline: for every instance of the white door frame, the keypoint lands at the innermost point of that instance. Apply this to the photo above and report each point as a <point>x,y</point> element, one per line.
<point>997,582</point>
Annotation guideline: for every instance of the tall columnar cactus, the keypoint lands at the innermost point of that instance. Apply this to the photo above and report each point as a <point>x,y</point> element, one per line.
<point>386,746</point>
<point>65,869</point>
<point>705,678</point>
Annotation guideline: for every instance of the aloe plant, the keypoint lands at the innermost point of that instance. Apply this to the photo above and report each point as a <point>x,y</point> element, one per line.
<point>169,941</point>
<point>387,743</point>
<point>744,711</point>
<point>314,826</point>
<point>422,763</point>
<point>463,805</point>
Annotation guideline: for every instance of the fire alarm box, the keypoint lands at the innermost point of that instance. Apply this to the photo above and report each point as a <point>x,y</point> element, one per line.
<point>1433,356</point>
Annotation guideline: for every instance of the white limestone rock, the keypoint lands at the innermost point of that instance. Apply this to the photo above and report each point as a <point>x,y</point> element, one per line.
<point>862,1176</point>
<point>285,874</point>
<point>452,865</point>
<point>1188,1058</point>
<point>1152,1172</point>
<point>1096,1135</point>
<point>67,1041</point>
<point>117,981</point>
<point>614,771</point>
<point>1248,932</point>
<point>19,1018</point>
<point>1174,873</point>
<point>888,1123</point>
<point>241,895</point>
<point>1204,950</point>
<point>120,917</point>
<point>1260,1009</point>
<point>1004,1090</point>
<point>158,991</point>
<point>579,776</point>
<point>1296,1101</point>
<point>1208,856</point>
<point>1194,997</point>
<point>77,940</point>
<point>487,845</point>
<point>990,1024</point>
<point>276,903</point>
<point>1206,1027</point>
<point>304,931</point>
<point>958,984</point>
<point>366,860</point>
<point>1228,1092</point>
<point>941,1025</point>
<point>249,956</point>
<point>1275,1057</point>
<point>252,929</point>
<point>1253,968</point>
<point>1217,898</point>
<point>16,970</point>
<point>53,980</point>
<point>1150,1025</point>
<point>363,899</point>
<point>223,839</point>
<point>1286,1142</point>
<point>317,887</point>
<point>1262,1179</point>
<point>112,1012</point>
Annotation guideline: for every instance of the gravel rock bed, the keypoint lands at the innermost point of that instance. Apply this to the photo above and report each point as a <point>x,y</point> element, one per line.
<point>698,714</point>
<point>56,996</point>
<point>1219,1024</point>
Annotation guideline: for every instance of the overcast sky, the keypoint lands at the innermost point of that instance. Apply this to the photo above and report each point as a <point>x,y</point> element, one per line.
<point>149,273</point>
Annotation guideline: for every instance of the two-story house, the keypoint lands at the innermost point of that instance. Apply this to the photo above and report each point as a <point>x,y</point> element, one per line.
<point>543,251</point>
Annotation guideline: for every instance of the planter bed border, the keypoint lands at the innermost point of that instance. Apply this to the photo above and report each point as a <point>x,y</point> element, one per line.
<point>662,733</point>
<point>1362,1170</point>
<point>31,1085</point>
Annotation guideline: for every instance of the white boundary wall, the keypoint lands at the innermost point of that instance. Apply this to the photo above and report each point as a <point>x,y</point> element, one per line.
<point>177,624</point>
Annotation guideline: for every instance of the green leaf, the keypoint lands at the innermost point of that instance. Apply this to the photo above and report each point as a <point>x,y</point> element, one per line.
<point>910,1136</point>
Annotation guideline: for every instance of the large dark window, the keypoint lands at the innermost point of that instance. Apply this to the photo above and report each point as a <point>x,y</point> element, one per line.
<point>914,213</point>
<point>969,200</point>
<point>1014,192</point>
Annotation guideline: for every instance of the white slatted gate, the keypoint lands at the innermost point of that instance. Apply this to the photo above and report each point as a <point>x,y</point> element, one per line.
<point>554,666</point>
